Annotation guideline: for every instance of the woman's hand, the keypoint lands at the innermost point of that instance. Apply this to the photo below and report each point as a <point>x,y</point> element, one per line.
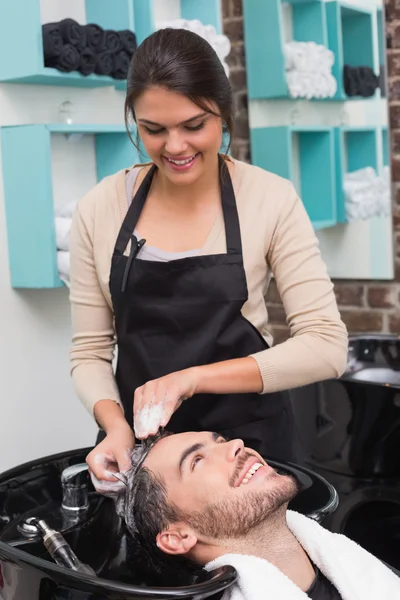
<point>157,400</point>
<point>110,457</point>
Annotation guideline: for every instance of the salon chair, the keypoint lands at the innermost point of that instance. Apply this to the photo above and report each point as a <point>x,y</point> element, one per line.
<point>42,489</point>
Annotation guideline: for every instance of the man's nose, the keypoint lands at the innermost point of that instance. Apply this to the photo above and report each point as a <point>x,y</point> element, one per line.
<point>234,448</point>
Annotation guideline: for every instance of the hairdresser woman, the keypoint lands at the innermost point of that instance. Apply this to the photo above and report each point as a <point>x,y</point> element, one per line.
<point>171,260</point>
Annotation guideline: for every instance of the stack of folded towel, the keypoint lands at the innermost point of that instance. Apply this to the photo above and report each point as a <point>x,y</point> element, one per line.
<point>359,81</point>
<point>309,70</point>
<point>220,43</point>
<point>367,194</point>
<point>69,46</point>
<point>63,221</point>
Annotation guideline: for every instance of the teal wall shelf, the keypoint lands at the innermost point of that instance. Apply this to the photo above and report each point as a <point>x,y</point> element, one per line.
<point>298,153</point>
<point>29,199</point>
<point>264,41</point>
<point>352,38</point>
<point>385,147</point>
<point>355,148</point>
<point>25,62</point>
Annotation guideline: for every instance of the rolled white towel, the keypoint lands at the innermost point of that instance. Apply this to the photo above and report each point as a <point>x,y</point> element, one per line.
<point>63,265</point>
<point>67,210</point>
<point>63,230</point>
<point>367,194</point>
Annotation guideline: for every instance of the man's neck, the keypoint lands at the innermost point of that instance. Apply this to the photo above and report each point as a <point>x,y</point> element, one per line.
<point>274,542</point>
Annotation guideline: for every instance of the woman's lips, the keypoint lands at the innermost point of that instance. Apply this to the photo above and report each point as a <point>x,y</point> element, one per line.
<point>182,167</point>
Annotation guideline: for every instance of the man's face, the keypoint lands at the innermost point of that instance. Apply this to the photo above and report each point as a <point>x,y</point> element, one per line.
<point>222,488</point>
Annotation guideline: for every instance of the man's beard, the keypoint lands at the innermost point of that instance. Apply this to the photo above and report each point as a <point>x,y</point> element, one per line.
<point>233,518</point>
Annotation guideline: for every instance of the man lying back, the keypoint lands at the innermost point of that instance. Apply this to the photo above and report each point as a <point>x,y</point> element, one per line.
<point>197,499</point>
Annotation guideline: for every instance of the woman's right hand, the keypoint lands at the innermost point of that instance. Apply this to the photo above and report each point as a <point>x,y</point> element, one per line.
<point>111,456</point>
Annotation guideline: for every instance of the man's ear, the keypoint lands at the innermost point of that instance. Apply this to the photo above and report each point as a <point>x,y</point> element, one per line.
<point>177,539</point>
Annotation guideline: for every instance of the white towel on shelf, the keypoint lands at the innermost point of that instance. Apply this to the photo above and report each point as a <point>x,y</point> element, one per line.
<point>355,573</point>
<point>309,70</point>
<point>63,265</point>
<point>63,230</point>
<point>367,194</point>
<point>66,210</point>
<point>220,43</point>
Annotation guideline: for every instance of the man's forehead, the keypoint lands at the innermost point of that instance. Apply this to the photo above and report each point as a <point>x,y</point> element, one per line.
<point>167,450</point>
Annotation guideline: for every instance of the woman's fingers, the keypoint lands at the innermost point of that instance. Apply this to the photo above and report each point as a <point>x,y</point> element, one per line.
<point>150,408</point>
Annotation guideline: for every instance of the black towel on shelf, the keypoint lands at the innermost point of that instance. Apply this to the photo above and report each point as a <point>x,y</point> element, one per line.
<point>67,61</point>
<point>94,37</point>
<point>87,62</point>
<point>128,41</point>
<point>122,62</point>
<point>105,63</point>
<point>52,40</point>
<point>359,81</point>
<point>111,42</point>
<point>73,33</point>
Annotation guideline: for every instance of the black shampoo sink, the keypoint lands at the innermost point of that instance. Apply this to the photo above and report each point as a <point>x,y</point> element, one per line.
<point>97,536</point>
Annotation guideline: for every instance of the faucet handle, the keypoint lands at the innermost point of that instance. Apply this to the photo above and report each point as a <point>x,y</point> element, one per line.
<point>74,482</point>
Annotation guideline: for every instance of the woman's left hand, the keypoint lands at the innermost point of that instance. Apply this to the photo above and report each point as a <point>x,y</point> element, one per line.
<point>156,401</point>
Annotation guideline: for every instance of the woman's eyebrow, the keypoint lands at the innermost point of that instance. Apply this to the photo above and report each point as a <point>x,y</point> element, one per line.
<point>181,123</point>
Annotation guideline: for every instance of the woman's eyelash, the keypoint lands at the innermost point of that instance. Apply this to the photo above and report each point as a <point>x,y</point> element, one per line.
<point>188,127</point>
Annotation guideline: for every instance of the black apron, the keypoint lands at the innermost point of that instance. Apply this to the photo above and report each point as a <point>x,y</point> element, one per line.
<point>174,315</point>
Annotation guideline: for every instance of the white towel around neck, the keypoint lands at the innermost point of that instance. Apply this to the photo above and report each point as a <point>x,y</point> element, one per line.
<point>356,574</point>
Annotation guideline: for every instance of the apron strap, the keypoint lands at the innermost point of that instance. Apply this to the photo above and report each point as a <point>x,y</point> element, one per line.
<point>133,214</point>
<point>229,208</point>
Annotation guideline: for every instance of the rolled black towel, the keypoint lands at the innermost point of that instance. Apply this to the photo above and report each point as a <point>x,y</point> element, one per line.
<point>87,62</point>
<point>52,40</point>
<point>67,61</point>
<point>73,33</point>
<point>105,63</point>
<point>94,37</point>
<point>122,62</point>
<point>359,81</point>
<point>111,42</point>
<point>128,41</point>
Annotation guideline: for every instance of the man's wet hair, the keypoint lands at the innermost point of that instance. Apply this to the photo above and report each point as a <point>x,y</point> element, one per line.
<point>146,511</point>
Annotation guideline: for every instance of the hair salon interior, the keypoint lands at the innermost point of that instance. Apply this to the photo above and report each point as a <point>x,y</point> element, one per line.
<point>316,97</point>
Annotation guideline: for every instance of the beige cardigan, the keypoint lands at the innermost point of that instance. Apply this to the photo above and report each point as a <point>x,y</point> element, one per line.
<point>277,237</point>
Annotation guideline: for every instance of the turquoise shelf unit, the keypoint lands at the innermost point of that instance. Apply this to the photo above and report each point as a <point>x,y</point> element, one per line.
<point>298,154</point>
<point>355,148</point>
<point>29,198</point>
<point>385,147</point>
<point>21,37</point>
<point>264,34</point>
<point>352,33</point>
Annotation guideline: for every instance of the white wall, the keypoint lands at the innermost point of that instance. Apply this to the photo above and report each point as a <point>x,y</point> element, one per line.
<point>39,412</point>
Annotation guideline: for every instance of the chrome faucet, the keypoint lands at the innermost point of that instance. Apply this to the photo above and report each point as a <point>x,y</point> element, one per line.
<point>75,490</point>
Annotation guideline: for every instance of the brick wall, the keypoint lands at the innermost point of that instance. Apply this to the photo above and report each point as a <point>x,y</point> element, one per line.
<point>371,306</point>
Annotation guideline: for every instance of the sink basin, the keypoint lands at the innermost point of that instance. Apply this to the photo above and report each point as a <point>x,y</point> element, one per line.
<point>377,375</point>
<point>98,538</point>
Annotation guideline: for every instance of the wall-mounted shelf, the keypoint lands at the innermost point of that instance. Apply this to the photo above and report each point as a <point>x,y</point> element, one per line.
<point>29,193</point>
<point>298,153</point>
<point>355,148</point>
<point>352,34</point>
<point>264,32</point>
<point>385,147</point>
<point>21,38</point>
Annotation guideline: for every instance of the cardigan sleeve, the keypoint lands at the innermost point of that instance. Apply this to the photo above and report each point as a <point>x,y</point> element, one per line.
<point>317,347</point>
<point>94,339</point>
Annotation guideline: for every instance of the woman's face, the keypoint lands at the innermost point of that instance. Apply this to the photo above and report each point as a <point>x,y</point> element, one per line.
<point>180,138</point>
